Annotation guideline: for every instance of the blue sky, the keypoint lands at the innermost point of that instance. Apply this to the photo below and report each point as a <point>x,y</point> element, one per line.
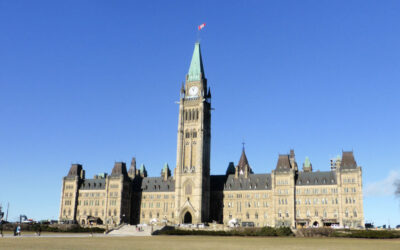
<point>96,82</point>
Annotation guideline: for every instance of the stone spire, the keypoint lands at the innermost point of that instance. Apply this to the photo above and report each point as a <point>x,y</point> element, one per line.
<point>132,169</point>
<point>196,70</point>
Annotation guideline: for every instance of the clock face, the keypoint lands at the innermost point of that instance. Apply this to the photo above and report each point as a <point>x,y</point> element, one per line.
<point>193,90</point>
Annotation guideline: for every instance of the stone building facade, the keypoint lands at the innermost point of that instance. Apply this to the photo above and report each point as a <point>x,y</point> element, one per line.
<point>287,196</point>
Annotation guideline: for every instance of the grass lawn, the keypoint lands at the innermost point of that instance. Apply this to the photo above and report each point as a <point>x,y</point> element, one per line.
<point>195,242</point>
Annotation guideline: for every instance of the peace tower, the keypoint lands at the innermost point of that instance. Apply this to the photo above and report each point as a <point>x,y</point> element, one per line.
<point>192,173</point>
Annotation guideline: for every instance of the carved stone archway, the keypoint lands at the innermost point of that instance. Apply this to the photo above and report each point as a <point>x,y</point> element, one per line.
<point>187,218</point>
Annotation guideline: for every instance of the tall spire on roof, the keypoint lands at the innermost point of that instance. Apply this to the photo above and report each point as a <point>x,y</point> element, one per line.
<point>196,71</point>
<point>243,159</point>
<point>243,167</point>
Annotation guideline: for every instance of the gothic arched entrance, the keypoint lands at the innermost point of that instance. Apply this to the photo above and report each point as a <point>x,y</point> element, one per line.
<point>187,219</point>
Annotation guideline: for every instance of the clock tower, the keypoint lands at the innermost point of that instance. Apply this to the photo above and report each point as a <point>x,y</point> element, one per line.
<point>192,173</point>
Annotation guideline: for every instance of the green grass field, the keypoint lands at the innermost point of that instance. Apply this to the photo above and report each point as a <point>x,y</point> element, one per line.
<point>195,242</point>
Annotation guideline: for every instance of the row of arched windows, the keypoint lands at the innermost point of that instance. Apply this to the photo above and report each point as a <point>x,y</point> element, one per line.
<point>189,134</point>
<point>191,114</point>
<point>157,215</point>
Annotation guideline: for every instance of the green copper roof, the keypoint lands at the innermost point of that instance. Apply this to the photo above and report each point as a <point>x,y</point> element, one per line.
<point>307,162</point>
<point>166,167</point>
<point>196,65</point>
<point>142,168</point>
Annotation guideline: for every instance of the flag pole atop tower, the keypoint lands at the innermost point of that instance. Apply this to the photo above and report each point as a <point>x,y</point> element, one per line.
<point>199,28</point>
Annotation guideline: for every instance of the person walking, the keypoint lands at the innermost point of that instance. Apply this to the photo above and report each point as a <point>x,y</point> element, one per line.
<point>19,230</point>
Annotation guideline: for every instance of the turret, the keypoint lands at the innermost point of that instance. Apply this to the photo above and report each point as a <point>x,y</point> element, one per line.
<point>243,167</point>
<point>292,159</point>
<point>307,166</point>
<point>119,169</point>
<point>165,172</point>
<point>132,170</point>
<point>142,171</point>
<point>76,170</point>
<point>230,169</point>
<point>348,162</point>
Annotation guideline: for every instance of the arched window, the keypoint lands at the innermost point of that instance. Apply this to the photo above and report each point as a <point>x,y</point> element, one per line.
<point>256,216</point>
<point>197,114</point>
<point>325,214</point>
<point>158,215</point>
<point>185,115</point>
<point>279,213</point>
<point>109,212</point>
<point>346,213</point>
<point>287,213</point>
<point>247,216</point>
<point>355,213</point>
<point>115,212</point>
<point>69,211</point>
<point>150,215</point>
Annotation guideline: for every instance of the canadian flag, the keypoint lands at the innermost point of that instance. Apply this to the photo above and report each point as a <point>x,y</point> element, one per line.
<point>201,26</point>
